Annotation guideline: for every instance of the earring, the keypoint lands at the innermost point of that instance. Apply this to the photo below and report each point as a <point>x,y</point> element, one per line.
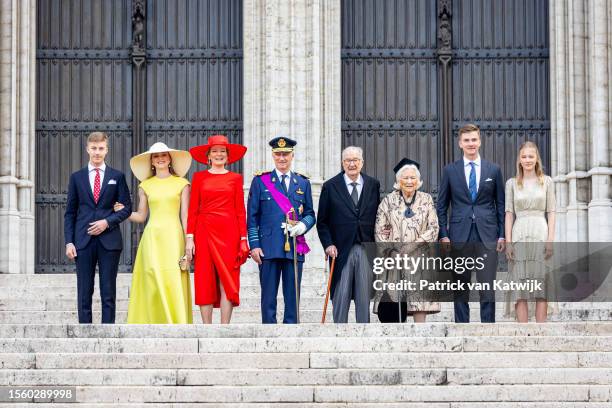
<point>153,168</point>
<point>170,166</point>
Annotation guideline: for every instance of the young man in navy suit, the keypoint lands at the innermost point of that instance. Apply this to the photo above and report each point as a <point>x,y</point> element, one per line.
<point>474,188</point>
<point>91,227</point>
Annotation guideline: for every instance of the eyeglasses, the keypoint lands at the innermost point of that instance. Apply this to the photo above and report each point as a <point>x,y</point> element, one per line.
<point>351,161</point>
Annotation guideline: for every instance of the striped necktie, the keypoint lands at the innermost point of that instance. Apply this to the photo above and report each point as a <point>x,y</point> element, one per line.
<point>472,185</point>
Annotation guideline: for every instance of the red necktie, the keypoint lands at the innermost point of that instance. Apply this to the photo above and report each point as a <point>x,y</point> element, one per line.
<point>96,191</point>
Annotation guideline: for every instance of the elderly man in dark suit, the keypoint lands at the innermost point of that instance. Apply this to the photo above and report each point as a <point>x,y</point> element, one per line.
<point>474,189</point>
<point>346,219</point>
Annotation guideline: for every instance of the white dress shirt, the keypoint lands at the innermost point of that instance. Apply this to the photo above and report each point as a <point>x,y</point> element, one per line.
<point>359,185</point>
<point>91,169</point>
<point>287,179</point>
<point>467,168</point>
<point>92,174</point>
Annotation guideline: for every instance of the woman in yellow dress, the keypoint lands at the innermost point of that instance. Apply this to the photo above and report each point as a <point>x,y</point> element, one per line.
<point>160,291</point>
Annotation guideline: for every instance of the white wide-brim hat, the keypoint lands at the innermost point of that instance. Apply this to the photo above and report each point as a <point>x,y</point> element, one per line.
<point>141,164</point>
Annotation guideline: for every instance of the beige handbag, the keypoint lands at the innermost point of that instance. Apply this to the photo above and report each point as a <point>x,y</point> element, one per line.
<point>184,264</point>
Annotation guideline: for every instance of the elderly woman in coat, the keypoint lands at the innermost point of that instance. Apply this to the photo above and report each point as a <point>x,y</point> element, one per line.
<point>408,217</point>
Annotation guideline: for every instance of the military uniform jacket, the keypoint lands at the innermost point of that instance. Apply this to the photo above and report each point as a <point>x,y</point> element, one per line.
<point>264,216</point>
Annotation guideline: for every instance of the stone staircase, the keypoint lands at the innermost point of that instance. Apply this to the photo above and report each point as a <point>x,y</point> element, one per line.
<point>566,363</point>
<point>51,298</point>
<point>439,364</point>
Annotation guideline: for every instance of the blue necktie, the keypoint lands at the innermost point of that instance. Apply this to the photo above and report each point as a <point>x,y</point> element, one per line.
<point>472,185</point>
<point>283,185</point>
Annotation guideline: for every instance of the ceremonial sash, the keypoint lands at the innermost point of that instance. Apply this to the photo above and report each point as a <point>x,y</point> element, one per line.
<point>285,205</point>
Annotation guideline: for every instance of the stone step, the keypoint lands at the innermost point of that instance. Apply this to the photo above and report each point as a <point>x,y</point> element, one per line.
<point>123,292</point>
<point>466,393</point>
<point>460,360</point>
<point>310,277</point>
<point>229,377</point>
<point>69,303</point>
<point>65,304</point>
<point>479,333</point>
<point>306,345</point>
<point>332,360</point>
<point>305,376</point>
<point>238,316</point>
<point>253,315</point>
<point>496,404</point>
<point>344,393</point>
<point>376,365</point>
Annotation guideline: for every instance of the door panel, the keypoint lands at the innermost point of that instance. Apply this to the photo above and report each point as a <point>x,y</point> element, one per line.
<point>86,78</point>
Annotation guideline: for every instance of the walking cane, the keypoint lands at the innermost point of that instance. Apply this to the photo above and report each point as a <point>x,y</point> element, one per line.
<point>295,275</point>
<point>331,273</point>
<point>290,221</point>
<point>399,307</point>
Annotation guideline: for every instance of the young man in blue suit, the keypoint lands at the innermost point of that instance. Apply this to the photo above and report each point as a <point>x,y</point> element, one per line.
<point>274,196</point>
<point>474,188</point>
<point>91,227</point>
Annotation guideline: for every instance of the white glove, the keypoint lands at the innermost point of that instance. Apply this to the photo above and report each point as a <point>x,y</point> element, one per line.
<point>297,229</point>
<point>286,228</point>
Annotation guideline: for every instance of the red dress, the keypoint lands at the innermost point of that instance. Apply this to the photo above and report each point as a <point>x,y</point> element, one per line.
<point>217,219</point>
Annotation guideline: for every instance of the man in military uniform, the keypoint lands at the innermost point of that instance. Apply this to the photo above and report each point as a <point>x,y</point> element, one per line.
<point>279,213</point>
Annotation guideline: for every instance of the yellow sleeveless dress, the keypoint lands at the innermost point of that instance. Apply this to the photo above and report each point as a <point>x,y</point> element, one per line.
<point>160,292</point>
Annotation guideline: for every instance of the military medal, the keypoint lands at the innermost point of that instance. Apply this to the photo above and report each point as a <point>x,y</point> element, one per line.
<point>299,191</point>
<point>301,209</point>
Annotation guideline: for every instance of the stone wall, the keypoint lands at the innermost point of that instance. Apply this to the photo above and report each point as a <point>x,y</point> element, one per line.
<point>292,88</point>
<point>581,117</point>
<point>17,102</point>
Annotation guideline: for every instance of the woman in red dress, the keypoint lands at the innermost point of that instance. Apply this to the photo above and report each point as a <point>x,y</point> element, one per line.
<point>216,228</point>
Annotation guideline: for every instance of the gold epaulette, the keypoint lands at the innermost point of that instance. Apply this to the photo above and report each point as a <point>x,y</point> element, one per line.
<point>306,176</point>
<point>259,173</point>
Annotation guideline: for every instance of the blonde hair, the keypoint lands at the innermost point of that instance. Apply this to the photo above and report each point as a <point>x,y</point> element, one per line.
<point>538,167</point>
<point>95,137</point>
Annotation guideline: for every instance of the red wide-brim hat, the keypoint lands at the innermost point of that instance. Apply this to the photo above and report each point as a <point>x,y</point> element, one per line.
<point>236,151</point>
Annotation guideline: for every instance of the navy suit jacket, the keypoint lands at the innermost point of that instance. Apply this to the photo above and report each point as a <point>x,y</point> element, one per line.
<point>488,210</point>
<point>339,223</point>
<point>82,210</point>
<point>264,216</point>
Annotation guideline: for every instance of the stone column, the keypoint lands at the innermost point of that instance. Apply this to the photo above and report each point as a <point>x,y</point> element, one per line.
<point>292,87</point>
<point>17,102</point>
<point>580,118</point>
<point>600,115</point>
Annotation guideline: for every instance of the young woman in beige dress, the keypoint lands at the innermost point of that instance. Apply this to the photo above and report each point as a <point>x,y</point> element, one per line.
<point>530,228</point>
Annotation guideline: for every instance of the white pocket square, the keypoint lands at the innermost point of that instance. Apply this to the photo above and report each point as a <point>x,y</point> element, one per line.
<point>489,179</point>
<point>112,181</point>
